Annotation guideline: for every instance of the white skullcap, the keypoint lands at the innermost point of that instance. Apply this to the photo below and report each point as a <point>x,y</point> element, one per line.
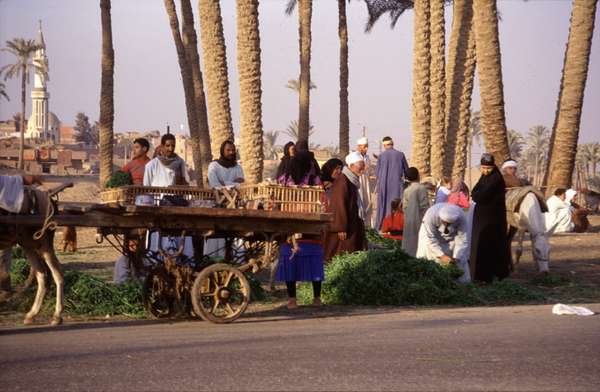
<point>509,163</point>
<point>570,194</point>
<point>353,157</point>
<point>450,213</point>
<point>362,141</point>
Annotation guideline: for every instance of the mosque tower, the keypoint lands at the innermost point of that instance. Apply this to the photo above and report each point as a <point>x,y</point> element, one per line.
<point>42,124</point>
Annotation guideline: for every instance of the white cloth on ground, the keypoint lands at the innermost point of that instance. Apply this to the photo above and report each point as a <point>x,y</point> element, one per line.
<point>571,310</point>
<point>441,195</point>
<point>532,219</point>
<point>11,193</point>
<point>559,218</point>
<point>437,239</point>
<point>219,176</point>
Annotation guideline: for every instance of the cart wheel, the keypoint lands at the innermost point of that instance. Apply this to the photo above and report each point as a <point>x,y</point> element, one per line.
<point>158,300</point>
<point>220,294</point>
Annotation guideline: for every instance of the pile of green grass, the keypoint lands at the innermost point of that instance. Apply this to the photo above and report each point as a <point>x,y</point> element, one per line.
<point>391,277</point>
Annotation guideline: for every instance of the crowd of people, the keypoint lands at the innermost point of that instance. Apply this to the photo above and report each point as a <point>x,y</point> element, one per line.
<point>442,221</point>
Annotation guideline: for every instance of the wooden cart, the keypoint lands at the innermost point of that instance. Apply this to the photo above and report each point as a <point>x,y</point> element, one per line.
<point>218,292</point>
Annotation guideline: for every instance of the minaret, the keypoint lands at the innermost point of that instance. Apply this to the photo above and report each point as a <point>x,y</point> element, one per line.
<point>39,95</point>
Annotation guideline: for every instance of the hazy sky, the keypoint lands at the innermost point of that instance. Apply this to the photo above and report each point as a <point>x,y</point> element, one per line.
<point>149,93</point>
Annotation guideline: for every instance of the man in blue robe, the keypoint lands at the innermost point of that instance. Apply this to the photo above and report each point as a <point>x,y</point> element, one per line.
<point>391,168</point>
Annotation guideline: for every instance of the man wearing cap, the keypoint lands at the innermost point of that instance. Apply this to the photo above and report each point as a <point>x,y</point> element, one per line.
<point>346,232</point>
<point>525,207</point>
<point>391,169</point>
<point>362,146</point>
<point>443,237</point>
<point>490,256</point>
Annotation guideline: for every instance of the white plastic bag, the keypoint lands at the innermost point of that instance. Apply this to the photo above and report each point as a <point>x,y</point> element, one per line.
<point>567,309</point>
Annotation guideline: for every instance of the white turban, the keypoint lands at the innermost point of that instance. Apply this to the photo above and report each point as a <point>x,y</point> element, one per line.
<point>509,163</point>
<point>570,195</point>
<point>363,141</point>
<point>353,157</point>
<point>450,213</point>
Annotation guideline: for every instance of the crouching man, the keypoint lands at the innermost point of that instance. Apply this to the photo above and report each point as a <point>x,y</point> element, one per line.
<point>443,237</point>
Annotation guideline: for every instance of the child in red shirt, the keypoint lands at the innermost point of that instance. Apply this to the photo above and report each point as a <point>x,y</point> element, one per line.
<point>393,224</point>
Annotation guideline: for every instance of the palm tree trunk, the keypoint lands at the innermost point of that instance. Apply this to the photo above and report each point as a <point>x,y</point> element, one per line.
<point>344,111</point>
<point>190,44</point>
<point>248,59</point>
<point>22,122</point>
<point>485,22</point>
<point>215,71</point>
<point>438,87</point>
<point>460,74</point>
<point>188,89</point>
<point>304,16</point>
<point>107,108</point>
<point>421,143</point>
<point>568,116</point>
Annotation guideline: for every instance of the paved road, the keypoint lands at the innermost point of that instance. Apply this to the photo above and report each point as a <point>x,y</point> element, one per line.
<point>512,348</point>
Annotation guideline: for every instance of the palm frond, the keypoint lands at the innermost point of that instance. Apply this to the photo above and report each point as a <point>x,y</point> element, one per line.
<point>376,8</point>
<point>289,8</point>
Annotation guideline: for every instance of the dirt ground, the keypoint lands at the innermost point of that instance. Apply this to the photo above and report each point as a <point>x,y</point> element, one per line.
<point>574,267</point>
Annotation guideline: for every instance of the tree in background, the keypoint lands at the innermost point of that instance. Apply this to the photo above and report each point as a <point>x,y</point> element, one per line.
<point>474,135</point>
<point>515,144</point>
<point>107,106</point>
<point>536,153</point>
<point>84,132</point>
<point>23,50</point>
<point>3,91</point>
<point>344,126</point>
<point>269,146</point>
<point>293,131</point>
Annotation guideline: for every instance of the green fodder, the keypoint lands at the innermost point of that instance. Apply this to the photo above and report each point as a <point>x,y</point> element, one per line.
<point>391,277</point>
<point>118,179</point>
<point>19,271</point>
<point>17,252</point>
<point>373,237</point>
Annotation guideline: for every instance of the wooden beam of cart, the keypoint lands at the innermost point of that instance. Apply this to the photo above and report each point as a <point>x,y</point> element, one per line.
<point>178,218</point>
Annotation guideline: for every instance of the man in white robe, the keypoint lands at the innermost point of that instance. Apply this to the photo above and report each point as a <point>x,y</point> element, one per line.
<point>443,237</point>
<point>559,218</point>
<point>364,191</point>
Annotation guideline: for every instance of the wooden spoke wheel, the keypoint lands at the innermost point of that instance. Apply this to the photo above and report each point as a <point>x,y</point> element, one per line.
<point>220,294</point>
<point>157,294</point>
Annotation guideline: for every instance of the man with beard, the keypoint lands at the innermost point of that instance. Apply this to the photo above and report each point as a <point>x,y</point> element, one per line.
<point>489,244</point>
<point>225,171</point>
<point>347,231</point>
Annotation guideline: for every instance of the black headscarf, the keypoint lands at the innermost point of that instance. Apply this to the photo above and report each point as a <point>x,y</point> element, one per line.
<point>329,167</point>
<point>412,174</point>
<point>227,163</point>
<point>303,162</point>
<point>286,161</point>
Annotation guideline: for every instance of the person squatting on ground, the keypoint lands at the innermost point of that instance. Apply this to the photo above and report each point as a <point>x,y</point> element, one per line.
<point>347,231</point>
<point>443,237</point>
<point>415,203</point>
<point>490,255</point>
<point>526,206</point>
<point>301,258</point>
<point>366,213</point>
<point>393,224</point>
<point>390,171</point>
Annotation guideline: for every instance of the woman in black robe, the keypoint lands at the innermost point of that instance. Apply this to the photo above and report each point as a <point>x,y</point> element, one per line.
<point>490,256</point>
<point>283,170</point>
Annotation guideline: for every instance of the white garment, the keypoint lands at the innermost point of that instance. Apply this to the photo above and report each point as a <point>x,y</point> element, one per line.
<point>531,218</point>
<point>441,196</point>
<point>434,242</point>
<point>219,176</point>
<point>122,272</point>
<point>364,192</point>
<point>11,193</point>
<point>559,218</point>
<point>157,174</point>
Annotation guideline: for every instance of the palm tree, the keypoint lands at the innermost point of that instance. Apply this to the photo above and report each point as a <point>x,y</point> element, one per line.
<point>201,138</point>
<point>269,140</point>
<point>188,89</point>
<point>344,142</point>
<point>594,157</point>
<point>515,144</point>
<point>485,23</point>
<point>215,70</point>
<point>304,19</point>
<point>538,141</point>
<point>107,107</point>
<point>460,72</point>
<point>293,130</point>
<point>3,91</point>
<point>23,50</point>
<point>474,134</point>
<point>421,112</point>
<point>294,84</point>
<point>438,87</point>
<point>248,59</point>
<point>583,157</point>
<point>565,132</point>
